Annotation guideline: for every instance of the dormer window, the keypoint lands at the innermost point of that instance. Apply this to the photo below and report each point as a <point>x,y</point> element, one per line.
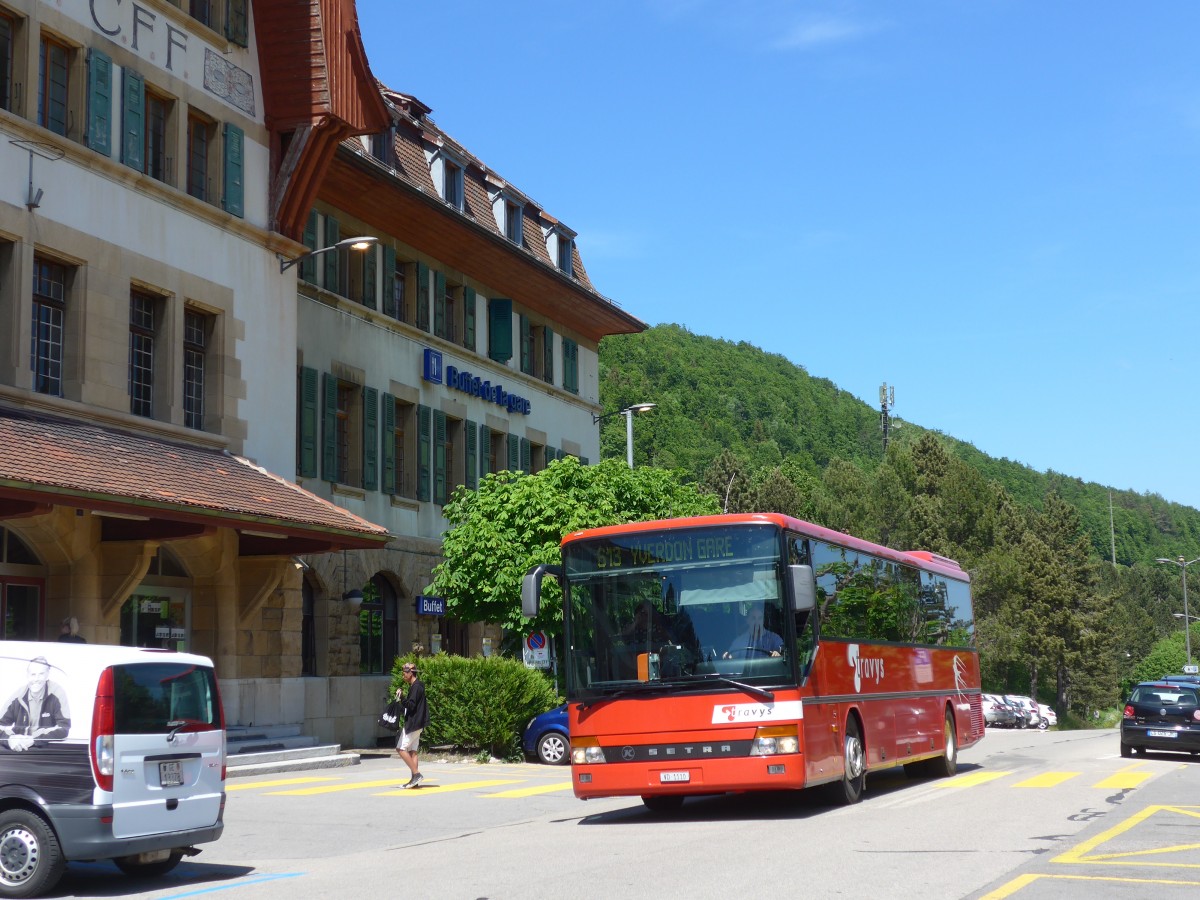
<point>512,222</point>
<point>565,246</point>
<point>452,183</point>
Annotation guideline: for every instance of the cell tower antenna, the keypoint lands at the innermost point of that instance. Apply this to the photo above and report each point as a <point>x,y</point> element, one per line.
<point>887,399</point>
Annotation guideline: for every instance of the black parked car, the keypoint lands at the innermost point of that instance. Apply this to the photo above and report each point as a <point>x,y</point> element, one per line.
<point>1162,715</point>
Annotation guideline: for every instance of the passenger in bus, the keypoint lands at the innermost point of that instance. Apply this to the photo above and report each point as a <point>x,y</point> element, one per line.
<point>756,640</point>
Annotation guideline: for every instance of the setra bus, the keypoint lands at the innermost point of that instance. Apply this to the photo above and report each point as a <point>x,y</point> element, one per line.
<point>758,652</point>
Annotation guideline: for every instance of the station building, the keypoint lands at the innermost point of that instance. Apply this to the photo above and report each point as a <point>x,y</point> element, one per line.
<point>223,429</point>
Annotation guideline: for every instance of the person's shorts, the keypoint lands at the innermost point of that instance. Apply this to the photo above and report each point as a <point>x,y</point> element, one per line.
<point>409,740</point>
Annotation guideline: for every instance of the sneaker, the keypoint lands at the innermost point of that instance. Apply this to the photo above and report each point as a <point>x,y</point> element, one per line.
<point>417,779</point>
<point>410,783</point>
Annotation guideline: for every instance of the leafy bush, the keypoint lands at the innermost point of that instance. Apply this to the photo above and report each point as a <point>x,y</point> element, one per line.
<point>478,704</point>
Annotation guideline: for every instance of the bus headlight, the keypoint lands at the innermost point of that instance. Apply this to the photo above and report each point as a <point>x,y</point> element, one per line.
<point>775,739</point>
<point>586,751</point>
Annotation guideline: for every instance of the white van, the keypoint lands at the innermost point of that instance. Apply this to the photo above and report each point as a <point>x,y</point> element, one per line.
<point>105,753</point>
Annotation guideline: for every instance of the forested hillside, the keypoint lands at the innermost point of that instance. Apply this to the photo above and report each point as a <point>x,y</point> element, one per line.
<point>759,432</point>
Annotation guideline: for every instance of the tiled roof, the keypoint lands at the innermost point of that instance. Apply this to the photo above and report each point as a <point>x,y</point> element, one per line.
<point>76,464</point>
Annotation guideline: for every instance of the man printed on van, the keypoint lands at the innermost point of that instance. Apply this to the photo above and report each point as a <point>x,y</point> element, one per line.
<point>38,713</point>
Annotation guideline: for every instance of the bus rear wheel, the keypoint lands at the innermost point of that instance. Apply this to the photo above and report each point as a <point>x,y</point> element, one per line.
<point>854,758</point>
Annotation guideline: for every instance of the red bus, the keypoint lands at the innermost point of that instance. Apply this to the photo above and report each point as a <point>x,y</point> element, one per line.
<point>758,652</point>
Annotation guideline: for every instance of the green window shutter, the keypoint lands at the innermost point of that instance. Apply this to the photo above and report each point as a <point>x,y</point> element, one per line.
<point>424,417</point>
<point>387,445</point>
<point>548,355</point>
<point>470,462</point>
<point>329,449</point>
<point>423,297</point>
<point>526,346</point>
<point>500,342</point>
<point>235,165</point>
<point>308,267</point>
<point>439,457</point>
<point>526,462</point>
<point>133,120</point>
<point>570,365</point>
<point>332,236</point>
<point>439,304</point>
<point>469,318</point>
<point>368,297</point>
<point>99,102</point>
<point>485,450</point>
<point>307,463</point>
<point>237,26</point>
<point>514,453</point>
<point>389,283</point>
<point>370,438</point>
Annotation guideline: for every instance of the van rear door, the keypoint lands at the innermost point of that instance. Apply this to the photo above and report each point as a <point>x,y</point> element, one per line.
<point>168,748</point>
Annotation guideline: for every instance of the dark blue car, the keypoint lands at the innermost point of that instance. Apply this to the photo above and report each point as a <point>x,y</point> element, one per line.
<point>546,737</point>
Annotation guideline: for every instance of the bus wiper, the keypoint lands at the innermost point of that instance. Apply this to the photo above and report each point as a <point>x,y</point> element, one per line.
<point>640,688</point>
<point>760,693</point>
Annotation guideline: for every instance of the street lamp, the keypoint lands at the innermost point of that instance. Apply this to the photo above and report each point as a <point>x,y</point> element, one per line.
<point>627,412</point>
<point>1187,620</point>
<point>354,243</point>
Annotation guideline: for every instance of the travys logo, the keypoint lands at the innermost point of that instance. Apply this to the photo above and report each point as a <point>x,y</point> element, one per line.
<point>784,710</point>
<point>864,667</point>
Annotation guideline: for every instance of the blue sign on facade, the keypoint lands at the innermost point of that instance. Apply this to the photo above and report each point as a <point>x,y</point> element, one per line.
<point>473,385</point>
<point>430,606</point>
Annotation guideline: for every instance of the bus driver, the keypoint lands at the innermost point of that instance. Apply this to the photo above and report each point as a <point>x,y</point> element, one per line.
<point>755,640</point>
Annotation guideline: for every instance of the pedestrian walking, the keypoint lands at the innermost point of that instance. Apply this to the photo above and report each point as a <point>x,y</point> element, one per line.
<point>416,717</point>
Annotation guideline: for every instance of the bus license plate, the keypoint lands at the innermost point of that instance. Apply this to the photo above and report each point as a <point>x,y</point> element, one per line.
<point>1162,734</point>
<point>671,777</point>
<point>170,774</point>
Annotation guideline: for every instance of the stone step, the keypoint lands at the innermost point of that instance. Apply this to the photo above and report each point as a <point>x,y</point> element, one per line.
<point>267,744</point>
<point>245,766</point>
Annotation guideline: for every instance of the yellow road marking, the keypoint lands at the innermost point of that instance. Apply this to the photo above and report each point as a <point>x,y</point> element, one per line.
<point>531,791</point>
<point>972,779</point>
<point>449,788</point>
<point>1047,779</point>
<point>278,782</point>
<point>333,788</point>
<point>1022,881</point>
<point>1081,852</point>
<point>1124,780</point>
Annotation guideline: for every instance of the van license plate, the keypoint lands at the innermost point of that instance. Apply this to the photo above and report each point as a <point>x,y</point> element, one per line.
<point>170,774</point>
<point>668,777</point>
<point>1161,734</point>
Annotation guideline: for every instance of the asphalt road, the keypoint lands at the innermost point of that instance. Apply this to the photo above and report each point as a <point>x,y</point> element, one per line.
<point>1030,815</point>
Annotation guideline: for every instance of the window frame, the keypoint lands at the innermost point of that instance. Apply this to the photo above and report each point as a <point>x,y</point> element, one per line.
<point>196,389</point>
<point>200,160</point>
<point>47,41</point>
<point>56,307</point>
<point>145,322</point>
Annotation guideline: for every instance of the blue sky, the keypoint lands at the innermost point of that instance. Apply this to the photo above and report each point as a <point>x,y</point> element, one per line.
<point>992,206</point>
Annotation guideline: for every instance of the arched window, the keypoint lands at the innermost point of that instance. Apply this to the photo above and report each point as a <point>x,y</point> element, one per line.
<point>378,627</point>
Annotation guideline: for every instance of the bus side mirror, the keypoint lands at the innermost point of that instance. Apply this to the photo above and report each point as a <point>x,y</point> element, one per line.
<point>531,588</point>
<point>804,588</point>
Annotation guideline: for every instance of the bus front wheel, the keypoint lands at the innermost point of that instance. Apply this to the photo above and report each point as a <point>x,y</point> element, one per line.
<point>854,758</point>
<point>663,803</point>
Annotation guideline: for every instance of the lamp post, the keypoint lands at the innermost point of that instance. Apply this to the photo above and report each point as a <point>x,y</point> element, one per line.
<point>627,412</point>
<point>354,243</point>
<point>1187,620</point>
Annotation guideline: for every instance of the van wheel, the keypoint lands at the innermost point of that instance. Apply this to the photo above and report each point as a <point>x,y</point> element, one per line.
<point>31,861</point>
<point>134,869</point>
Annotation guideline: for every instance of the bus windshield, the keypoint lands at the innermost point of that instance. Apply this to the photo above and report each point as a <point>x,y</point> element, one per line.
<point>687,606</point>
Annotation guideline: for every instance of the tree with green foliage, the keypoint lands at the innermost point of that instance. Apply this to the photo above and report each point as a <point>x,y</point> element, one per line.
<point>515,520</point>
